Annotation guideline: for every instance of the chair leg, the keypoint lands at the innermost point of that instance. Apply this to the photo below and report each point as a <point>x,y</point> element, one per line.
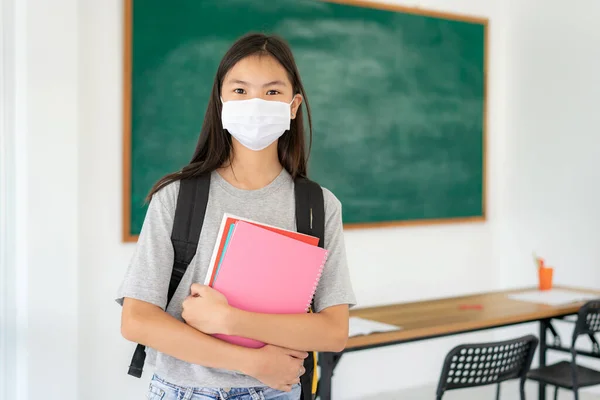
<point>522,389</point>
<point>555,392</point>
<point>576,394</point>
<point>498,392</point>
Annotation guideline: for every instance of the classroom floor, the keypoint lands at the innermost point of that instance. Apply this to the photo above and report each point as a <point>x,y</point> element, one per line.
<point>509,391</point>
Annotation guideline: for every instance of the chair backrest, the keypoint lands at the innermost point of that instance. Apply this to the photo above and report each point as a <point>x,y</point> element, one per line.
<point>588,319</point>
<point>588,323</point>
<point>480,364</point>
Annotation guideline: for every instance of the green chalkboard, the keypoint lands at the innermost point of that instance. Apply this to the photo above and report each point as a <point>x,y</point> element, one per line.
<point>397,95</point>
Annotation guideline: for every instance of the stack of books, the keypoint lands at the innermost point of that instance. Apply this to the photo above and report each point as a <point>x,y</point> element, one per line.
<point>264,269</point>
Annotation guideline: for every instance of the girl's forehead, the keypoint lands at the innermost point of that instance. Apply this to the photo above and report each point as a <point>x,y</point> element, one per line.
<point>257,70</point>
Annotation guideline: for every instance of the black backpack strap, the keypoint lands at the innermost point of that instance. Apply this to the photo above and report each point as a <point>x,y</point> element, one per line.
<point>310,209</point>
<point>187,225</point>
<point>310,220</point>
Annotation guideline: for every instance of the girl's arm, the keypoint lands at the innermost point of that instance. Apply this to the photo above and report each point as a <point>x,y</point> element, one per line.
<point>149,325</point>
<point>326,330</point>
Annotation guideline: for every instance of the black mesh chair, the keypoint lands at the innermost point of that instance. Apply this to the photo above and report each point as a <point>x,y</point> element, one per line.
<point>471,365</point>
<point>569,375</point>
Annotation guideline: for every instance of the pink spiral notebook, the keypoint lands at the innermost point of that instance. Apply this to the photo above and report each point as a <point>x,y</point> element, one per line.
<point>265,272</point>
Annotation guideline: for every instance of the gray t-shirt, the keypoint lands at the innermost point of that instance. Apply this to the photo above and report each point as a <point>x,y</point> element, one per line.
<point>147,277</point>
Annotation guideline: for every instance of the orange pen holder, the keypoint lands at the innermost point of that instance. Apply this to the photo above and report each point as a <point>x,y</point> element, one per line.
<point>545,278</point>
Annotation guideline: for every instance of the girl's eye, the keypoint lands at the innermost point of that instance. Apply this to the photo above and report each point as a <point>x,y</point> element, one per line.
<point>272,92</point>
<point>239,91</point>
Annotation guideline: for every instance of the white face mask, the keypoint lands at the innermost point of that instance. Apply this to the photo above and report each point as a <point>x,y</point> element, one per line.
<point>256,123</point>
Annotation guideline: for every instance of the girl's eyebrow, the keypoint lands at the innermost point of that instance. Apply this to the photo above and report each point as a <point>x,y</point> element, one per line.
<point>240,82</point>
<point>274,83</point>
<point>237,81</point>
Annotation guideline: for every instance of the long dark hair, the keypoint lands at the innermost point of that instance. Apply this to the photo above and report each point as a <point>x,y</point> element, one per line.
<point>214,146</point>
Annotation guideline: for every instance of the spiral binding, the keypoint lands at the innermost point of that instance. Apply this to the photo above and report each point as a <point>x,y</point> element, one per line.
<point>319,273</point>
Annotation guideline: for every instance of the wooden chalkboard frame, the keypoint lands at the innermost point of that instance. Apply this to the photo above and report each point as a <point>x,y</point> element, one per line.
<point>127,97</point>
<point>127,85</point>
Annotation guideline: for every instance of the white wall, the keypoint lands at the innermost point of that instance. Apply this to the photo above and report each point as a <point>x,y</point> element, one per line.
<point>13,283</point>
<point>45,114</point>
<point>73,259</point>
<point>7,203</point>
<point>103,258</point>
<point>552,197</point>
<point>552,206</point>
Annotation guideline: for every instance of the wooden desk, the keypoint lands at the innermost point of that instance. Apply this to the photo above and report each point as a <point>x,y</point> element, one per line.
<point>442,317</point>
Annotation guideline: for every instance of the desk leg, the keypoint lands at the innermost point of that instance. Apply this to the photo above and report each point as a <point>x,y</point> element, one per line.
<point>543,329</point>
<point>327,361</point>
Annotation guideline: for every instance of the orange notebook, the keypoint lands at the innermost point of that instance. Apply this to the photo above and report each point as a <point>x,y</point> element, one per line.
<point>227,221</point>
<point>264,271</point>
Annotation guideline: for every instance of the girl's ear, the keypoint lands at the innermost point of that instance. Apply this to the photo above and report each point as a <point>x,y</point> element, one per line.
<point>296,102</point>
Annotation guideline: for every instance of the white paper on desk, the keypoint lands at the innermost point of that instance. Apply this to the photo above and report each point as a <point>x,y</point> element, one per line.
<point>360,326</point>
<point>552,297</point>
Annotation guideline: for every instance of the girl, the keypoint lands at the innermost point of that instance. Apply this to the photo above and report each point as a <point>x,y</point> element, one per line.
<point>253,146</point>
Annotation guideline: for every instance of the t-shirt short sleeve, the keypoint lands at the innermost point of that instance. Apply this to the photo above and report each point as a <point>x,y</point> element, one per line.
<point>149,270</point>
<point>335,287</point>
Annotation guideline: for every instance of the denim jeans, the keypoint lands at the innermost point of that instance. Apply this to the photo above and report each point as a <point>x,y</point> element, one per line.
<point>162,390</point>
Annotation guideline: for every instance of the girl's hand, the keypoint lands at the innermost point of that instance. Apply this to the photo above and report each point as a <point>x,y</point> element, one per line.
<point>206,309</point>
<point>278,367</point>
